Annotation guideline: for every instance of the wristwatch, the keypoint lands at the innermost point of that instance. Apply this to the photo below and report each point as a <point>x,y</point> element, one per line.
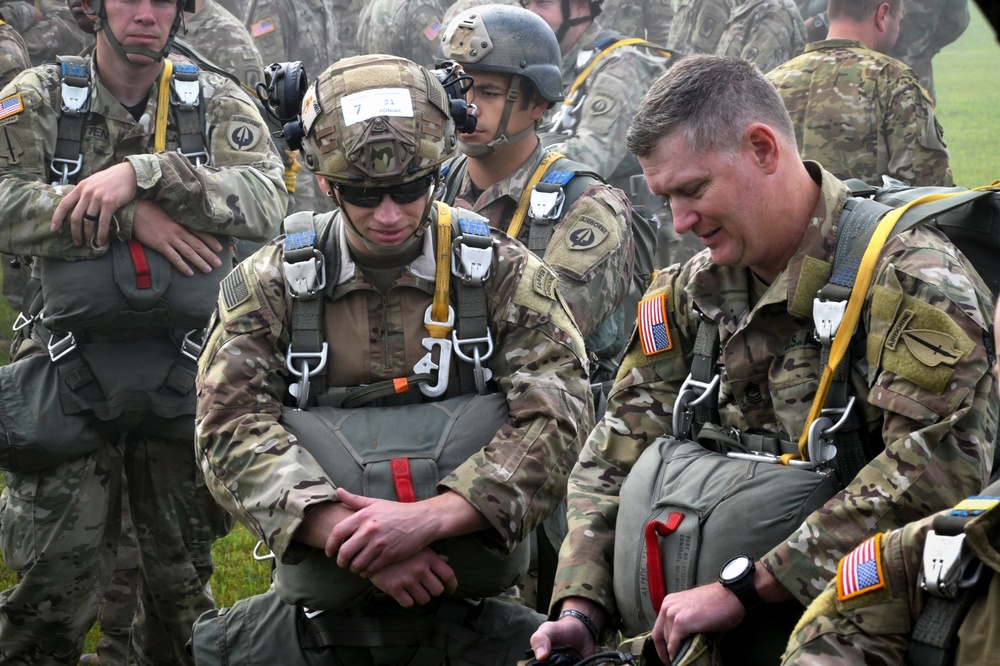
<point>737,577</point>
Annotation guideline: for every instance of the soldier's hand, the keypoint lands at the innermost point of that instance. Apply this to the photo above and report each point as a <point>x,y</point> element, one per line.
<point>155,229</point>
<point>90,205</point>
<point>705,609</point>
<point>566,631</point>
<point>417,580</point>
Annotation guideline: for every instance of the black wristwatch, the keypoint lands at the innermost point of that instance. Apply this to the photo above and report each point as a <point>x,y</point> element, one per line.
<point>737,577</point>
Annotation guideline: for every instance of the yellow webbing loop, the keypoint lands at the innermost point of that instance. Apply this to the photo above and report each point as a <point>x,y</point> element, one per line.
<point>163,108</point>
<point>859,292</point>
<point>634,41</point>
<point>521,213</point>
<point>442,277</point>
<point>292,170</point>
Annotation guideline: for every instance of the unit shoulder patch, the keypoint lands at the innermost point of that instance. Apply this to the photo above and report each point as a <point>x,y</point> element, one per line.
<point>586,233</point>
<point>243,132</point>
<point>545,282</point>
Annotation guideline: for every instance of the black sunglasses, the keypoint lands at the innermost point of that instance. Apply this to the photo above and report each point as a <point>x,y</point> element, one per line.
<point>371,197</point>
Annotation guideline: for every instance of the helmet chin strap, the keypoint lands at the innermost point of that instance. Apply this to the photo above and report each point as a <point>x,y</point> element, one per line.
<point>571,22</point>
<point>101,24</point>
<point>500,136</point>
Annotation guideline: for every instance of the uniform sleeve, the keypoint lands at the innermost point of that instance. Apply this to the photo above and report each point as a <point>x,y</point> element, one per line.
<point>269,28</point>
<point>251,465</point>
<point>927,323</point>
<point>241,193</point>
<point>639,410</point>
<point>917,152</point>
<point>519,478</point>
<point>775,35</point>
<point>592,251</point>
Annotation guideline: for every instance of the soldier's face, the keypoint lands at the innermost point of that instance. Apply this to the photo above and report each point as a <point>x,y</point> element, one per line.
<point>490,95</point>
<point>388,224</point>
<point>144,23</point>
<point>717,197</point>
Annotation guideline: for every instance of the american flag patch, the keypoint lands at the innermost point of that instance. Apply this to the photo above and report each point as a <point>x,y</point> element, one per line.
<point>860,571</point>
<point>262,27</point>
<point>653,330</point>
<point>432,31</point>
<point>10,106</point>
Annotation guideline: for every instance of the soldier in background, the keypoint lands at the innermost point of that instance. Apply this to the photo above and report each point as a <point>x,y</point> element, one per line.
<point>859,112</point>
<point>698,25</point>
<point>893,618</point>
<point>406,28</point>
<point>929,26</point>
<point>48,29</point>
<point>764,32</point>
<point>649,18</point>
<point>459,6</point>
<point>14,59</point>
<point>307,31</point>
<point>223,39</point>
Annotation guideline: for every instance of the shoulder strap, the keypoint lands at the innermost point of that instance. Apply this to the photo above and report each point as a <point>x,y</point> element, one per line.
<point>185,101</point>
<point>451,175</point>
<point>75,104</point>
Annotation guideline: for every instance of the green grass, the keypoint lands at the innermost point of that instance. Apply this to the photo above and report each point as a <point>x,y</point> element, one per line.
<point>968,92</point>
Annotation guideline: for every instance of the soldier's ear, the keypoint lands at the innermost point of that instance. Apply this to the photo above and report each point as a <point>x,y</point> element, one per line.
<point>762,141</point>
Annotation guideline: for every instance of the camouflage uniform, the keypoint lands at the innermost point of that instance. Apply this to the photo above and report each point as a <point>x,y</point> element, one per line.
<point>611,95</point>
<point>13,60</point>
<point>875,626</point>
<point>650,19</point>
<point>56,34</point>
<point>539,362</point>
<point>61,525</point>
<point>222,39</point>
<point>929,26</point>
<point>406,28</point>
<point>889,128</point>
<point>698,25</point>
<point>764,32</point>
<point>460,6</point>
<point>938,444</point>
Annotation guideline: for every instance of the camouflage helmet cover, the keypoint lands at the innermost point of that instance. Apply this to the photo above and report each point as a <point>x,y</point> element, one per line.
<point>507,40</point>
<point>376,121</point>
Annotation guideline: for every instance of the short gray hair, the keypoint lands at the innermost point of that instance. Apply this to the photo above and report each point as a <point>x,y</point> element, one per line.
<point>711,99</point>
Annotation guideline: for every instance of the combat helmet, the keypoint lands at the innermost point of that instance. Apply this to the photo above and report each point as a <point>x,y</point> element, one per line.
<point>99,15</point>
<point>506,40</point>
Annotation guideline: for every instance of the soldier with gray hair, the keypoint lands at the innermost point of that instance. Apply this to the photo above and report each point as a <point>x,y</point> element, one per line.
<point>415,396</point>
<point>735,326</point>
<point>859,112</point>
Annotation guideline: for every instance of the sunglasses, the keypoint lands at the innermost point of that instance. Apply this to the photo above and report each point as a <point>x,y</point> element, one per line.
<point>371,197</point>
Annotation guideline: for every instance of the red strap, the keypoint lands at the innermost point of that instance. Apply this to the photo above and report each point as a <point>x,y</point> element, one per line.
<point>403,480</point>
<point>654,566</point>
<point>143,278</point>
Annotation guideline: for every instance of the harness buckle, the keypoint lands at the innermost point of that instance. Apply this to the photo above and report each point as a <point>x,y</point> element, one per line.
<point>64,168</point>
<point>481,374</point>
<point>827,316</point>
<point>475,258</point>
<point>75,94</point>
<point>197,158</point>
<point>184,86</point>
<point>23,322</point>
<point>427,364</point>
<point>257,555</point>
<point>60,347</point>
<point>295,361</point>
<point>820,446</point>
<point>547,201</point>
<point>190,346</point>
<point>946,567</point>
<point>692,394</point>
<point>305,278</point>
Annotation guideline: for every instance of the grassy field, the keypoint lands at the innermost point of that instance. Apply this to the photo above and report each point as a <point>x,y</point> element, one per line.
<point>968,90</point>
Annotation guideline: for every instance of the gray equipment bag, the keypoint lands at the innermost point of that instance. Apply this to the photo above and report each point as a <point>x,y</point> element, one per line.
<point>130,286</point>
<point>36,433</point>
<point>685,511</point>
<point>389,453</point>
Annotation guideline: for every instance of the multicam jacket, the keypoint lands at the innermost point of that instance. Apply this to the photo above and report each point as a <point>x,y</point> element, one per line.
<point>876,624</point>
<point>269,482</point>
<point>240,193</point>
<point>405,28</point>
<point>222,38</point>
<point>764,32</point>
<point>862,114</point>
<point>650,19</point>
<point>13,54</point>
<point>591,249</point>
<point>698,25</point>
<point>937,423</point>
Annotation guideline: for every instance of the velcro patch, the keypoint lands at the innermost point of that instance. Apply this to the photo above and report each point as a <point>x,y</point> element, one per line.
<point>261,28</point>
<point>586,233</point>
<point>975,505</point>
<point>234,289</point>
<point>654,331</point>
<point>860,571</point>
<point>243,133</point>
<point>11,106</point>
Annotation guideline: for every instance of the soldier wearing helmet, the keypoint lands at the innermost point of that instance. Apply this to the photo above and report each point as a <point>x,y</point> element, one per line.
<point>371,329</point>
<point>125,178</point>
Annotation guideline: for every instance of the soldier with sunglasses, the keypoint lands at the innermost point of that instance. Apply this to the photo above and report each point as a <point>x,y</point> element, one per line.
<point>361,313</point>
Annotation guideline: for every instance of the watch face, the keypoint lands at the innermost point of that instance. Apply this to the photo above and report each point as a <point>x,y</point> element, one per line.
<point>735,567</point>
